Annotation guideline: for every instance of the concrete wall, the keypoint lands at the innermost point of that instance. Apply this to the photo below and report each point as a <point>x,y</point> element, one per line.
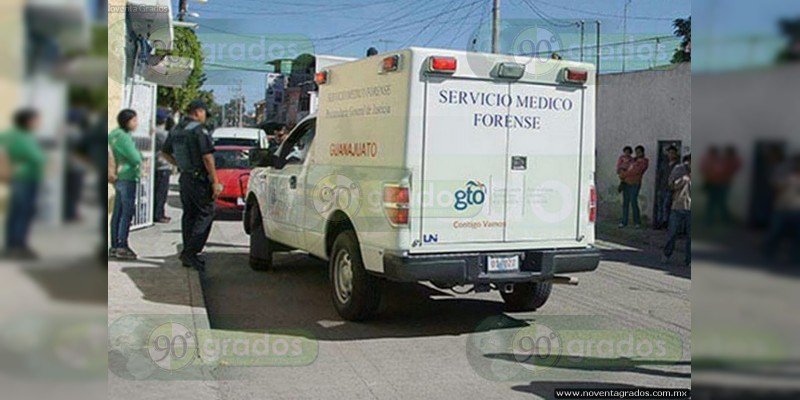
<point>116,58</point>
<point>12,65</point>
<point>741,108</point>
<point>639,108</point>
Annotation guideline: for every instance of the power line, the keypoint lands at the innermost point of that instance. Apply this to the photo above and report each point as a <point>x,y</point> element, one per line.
<point>547,18</point>
<point>605,14</point>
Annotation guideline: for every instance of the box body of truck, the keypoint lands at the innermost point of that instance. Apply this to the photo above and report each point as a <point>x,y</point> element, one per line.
<point>450,167</point>
<point>492,164</point>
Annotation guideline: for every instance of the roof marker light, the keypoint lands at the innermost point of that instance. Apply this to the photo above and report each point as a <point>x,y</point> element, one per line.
<point>444,65</point>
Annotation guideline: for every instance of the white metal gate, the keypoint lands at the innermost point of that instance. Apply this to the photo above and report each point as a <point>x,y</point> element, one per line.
<point>140,96</point>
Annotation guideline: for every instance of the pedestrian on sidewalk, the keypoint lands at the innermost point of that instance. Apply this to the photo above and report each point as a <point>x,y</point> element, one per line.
<point>680,220</point>
<point>786,217</point>
<point>632,179</point>
<point>128,161</point>
<point>163,170</point>
<point>190,148</point>
<point>624,163</point>
<point>26,160</point>
<point>664,189</point>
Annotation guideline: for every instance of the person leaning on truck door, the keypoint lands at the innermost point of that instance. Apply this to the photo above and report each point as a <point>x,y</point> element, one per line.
<point>633,185</point>
<point>189,146</point>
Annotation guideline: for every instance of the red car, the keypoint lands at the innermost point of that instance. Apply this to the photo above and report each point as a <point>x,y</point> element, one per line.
<point>233,169</point>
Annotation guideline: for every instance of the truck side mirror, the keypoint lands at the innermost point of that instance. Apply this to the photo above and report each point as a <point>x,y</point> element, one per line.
<point>260,158</point>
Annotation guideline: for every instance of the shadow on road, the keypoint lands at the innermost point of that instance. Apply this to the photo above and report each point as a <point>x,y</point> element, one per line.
<point>79,281</point>
<point>603,365</point>
<point>153,277</point>
<point>295,295</point>
<point>648,259</point>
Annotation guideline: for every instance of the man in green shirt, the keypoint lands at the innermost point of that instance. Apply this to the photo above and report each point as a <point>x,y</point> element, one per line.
<point>27,161</point>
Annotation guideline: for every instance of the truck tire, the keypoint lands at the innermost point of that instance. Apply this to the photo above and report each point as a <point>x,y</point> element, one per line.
<point>356,294</point>
<point>527,296</point>
<point>260,246</point>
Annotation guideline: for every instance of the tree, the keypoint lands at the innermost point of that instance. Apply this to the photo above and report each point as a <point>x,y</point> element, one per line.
<point>791,29</point>
<point>186,45</point>
<point>95,98</point>
<point>683,30</point>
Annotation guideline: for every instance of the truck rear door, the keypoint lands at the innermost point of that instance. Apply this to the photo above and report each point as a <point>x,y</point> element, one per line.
<point>464,164</point>
<point>544,163</point>
<point>502,162</point>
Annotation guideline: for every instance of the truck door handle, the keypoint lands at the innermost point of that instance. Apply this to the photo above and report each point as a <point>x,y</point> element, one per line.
<point>293,182</point>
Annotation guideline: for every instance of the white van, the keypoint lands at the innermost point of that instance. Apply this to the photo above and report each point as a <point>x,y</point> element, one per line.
<point>247,137</point>
<point>436,165</point>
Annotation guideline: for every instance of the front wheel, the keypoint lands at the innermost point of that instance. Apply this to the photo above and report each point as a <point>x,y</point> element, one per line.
<point>527,296</point>
<point>260,246</point>
<point>356,294</point>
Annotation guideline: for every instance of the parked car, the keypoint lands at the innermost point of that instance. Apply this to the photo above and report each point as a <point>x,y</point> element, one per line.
<point>233,170</point>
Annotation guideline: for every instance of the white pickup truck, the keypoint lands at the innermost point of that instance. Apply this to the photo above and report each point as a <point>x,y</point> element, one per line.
<point>438,166</point>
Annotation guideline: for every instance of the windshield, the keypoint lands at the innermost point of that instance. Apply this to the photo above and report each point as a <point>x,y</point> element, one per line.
<point>232,159</point>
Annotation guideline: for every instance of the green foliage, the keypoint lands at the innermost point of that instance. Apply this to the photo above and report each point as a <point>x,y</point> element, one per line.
<point>790,28</point>
<point>683,30</point>
<point>95,98</point>
<point>186,45</point>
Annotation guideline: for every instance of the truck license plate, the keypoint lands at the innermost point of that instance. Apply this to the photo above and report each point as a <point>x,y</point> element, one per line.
<point>240,202</point>
<point>504,264</point>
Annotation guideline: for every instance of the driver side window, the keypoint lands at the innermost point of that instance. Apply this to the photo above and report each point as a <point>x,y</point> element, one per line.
<point>295,150</point>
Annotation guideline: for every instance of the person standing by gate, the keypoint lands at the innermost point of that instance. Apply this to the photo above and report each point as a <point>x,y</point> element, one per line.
<point>190,148</point>
<point>163,170</point>
<point>27,165</point>
<point>128,163</point>
<point>680,219</point>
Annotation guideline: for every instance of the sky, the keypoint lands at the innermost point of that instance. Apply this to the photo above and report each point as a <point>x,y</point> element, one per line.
<point>350,27</point>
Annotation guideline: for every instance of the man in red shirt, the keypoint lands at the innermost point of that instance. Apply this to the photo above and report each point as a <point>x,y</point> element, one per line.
<point>632,185</point>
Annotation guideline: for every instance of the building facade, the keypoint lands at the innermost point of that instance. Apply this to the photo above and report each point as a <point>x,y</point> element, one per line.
<point>648,108</point>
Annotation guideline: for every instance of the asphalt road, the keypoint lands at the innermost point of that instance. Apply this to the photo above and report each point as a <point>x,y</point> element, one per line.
<point>428,343</point>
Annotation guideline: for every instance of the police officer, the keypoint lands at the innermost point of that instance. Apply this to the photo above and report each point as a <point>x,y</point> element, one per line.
<point>190,148</point>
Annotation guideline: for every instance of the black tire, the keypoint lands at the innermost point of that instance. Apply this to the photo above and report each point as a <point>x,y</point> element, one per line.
<point>364,296</point>
<point>261,247</point>
<point>527,296</point>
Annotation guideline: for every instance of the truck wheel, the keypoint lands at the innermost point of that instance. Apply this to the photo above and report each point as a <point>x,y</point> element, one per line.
<point>356,294</point>
<point>527,296</point>
<point>260,246</point>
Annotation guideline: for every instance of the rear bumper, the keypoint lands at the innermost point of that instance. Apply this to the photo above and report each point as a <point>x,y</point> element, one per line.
<point>471,268</point>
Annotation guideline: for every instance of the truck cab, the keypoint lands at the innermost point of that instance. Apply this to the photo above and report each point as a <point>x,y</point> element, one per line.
<point>427,165</point>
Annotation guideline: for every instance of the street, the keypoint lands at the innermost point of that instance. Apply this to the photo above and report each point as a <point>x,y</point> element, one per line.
<point>423,342</point>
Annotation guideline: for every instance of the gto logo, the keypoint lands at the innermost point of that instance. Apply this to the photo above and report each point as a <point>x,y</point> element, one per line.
<point>473,195</point>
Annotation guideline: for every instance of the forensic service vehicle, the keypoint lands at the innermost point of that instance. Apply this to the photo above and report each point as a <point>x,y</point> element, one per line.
<point>436,166</point>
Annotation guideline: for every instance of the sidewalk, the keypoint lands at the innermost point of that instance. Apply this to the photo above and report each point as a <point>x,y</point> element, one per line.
<point>157,284</point>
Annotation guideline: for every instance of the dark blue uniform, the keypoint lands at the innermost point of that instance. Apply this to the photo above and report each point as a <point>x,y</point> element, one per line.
<point>188,143</point>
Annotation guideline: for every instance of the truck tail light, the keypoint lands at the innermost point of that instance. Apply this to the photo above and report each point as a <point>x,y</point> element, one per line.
<point>396,200</point>
<point>592,204</point>
<point>574,75</point>
<point>321,77</point>
<point>390,64</point>
<point>444,65</point>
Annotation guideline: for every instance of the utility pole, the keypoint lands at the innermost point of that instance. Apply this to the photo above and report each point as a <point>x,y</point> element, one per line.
<point>583,37</point>
<point>597,67</point>
<point>496,27</point>
<point>625,36</point>
<point>241,105</point>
